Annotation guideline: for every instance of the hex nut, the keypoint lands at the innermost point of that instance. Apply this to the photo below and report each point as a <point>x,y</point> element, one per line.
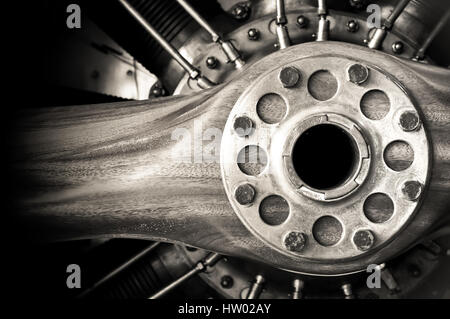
<point>409,121</point>
<point>245,194</point>
<point>364,239</point>
<point>358,74</point>
<point>289,76</point>
<point>295,241</point>
<point>243,126</point>
<point>412,190</point>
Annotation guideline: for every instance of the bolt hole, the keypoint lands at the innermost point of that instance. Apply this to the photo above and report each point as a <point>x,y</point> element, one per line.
<point>327,231</point>
<point>271,108</point>
<point>252,160</point>
<point>378,208</point>
<point>398,156</point>
<point>375,105</point>
<point>274,210</point>
<point>322,85</point>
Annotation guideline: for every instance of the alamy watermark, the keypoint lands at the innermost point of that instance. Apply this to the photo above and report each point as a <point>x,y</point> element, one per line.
<point>74,279</point>
<point>374,18</point>
<point>200,145</point>
<point>73,20</point>
<point>374,279</point>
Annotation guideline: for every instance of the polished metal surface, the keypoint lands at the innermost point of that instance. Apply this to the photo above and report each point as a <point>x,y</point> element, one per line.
<point>281,21</point>
<point>228,48</point>
<point>198,49</point>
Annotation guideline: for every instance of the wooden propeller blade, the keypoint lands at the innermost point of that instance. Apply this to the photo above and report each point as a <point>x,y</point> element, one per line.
<point>112,170</point>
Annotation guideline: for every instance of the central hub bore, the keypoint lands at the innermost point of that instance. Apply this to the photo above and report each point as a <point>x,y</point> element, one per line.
<point>324,156</point>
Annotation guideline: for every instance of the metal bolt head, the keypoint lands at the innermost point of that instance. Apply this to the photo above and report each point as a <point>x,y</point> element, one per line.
<point>352,26</point>
<point>226,282</point>
<point>412,190</point>
<point>156,90</point>
<point>364,239</point>
<point>253,34</point>
<point>245,194</point>
<point>397,47</point>
<point>240,11</point>
<point>211,62</point>
<point>358,74</point>
<point>295,241</point>
<point>289,76</point>
<point>302,21</point>
<point>243,126</point>
<point>409,121</point>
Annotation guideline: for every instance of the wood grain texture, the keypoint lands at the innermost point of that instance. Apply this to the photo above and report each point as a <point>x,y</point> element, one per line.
<point>108,170</point>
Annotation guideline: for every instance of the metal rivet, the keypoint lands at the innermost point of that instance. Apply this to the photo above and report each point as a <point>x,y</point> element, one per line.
<point>211,62</point>
<point>295,241</point>
<point>245,194</point>
<point>358,73</point>
<point>226,282</point>
<point>352,26</point>
<point>409,121</point>
<point>412,190</point>
<point>157,90</point>
<point>364,239</point>
<point>289,76</point>
<point>240,12</point>
<point>243,126</point>
<point>397,47</point>
<point>253,34</point>
<point>302,21</point>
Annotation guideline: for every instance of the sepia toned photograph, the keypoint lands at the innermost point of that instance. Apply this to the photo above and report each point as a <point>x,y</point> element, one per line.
<point>198,152</point>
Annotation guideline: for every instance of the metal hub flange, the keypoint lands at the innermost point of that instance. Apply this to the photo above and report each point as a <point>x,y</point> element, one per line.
<point>371,202</point>
<point>359,172</point>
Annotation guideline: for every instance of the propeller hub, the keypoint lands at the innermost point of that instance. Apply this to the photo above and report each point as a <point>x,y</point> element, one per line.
<point>326,158</point>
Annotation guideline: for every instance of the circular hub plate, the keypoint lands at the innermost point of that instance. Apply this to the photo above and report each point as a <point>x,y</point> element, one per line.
<point>364,211</point>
